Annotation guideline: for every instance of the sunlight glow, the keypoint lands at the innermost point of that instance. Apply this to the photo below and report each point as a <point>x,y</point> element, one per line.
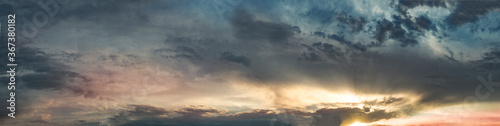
<point>359,124</point>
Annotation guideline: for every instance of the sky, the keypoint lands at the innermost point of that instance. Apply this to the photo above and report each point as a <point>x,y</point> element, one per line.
<point>254,62</point>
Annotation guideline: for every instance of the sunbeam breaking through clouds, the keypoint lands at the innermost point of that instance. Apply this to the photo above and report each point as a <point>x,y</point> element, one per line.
<point>253,62</point>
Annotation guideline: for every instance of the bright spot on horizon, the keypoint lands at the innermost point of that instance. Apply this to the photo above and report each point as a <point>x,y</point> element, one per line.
<point>359,124</point>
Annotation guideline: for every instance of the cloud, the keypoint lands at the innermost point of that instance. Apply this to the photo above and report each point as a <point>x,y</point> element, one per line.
<point>355,23</point>
<point>490,60</point>
<point>146,110</point>
<point>354,46</point>
<point>50,74</point>
<point>394,31</point>
<point>321,15</point>
<point>330,16</point>
<point>246,26</point>
<point>172,53</point>
<point>42,119</point>
<point>468,11</point>
<point>195,115</point>
<point>228,56</point>
<point>424,22</point>
<point>195,112</point>
<point>179,52</point>
<point>316,50</point>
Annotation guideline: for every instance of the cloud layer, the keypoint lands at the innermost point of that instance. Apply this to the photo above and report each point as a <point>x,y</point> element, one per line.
<point>252,62</point>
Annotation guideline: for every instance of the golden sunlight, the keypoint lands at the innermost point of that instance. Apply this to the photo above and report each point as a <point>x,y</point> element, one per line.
<point>359,124</point>
<point>304,96</point>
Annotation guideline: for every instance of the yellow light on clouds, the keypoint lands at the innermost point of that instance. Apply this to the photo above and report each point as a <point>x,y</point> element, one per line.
<point>359,124</point>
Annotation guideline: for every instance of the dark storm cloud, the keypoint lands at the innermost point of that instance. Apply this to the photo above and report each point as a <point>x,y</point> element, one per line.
<point>196,44</point>
<point>471,11</point>
<point>115,14</point>
<point>155,121</point>
<point>372,72</point>
<point>396,29</point>
<point>126,60</point>
<point>465,12</point>
<point>329,16</point>
<point>146,110</point>
<point>404,5</point>
<point>409,72</point>
<point>112,11</point>
<point>180,40</point>
<point>145,114</point>
<point>355,46</point>
<point>228,56</point>
<point>49,73</point>
<point>415,3</point>
<point>320,34</point>
<point>490,60</point>
<point>39,70</point>
<point>438,80</point>
<point>387,29</point>
<point>193,112</point>
<point>310,56</point>
<point>324,49</point>
<point>385,101</point>
<point>186,112</point>
<point>253,114</point>
<point>179,52</point>
<point>336,117</point>
<point>451,55</point>
<point>424,22</point>
<point>246,26</point>
<point>182,116</point>
<point>50,80</point>
<point>355,23</point>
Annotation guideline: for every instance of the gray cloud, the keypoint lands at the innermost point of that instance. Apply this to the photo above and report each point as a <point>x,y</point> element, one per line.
<point>394,31</point>
<point>354,46</point>
<point>228,56</point>
<point>355,23</point>
<point>247,27</point>
<point>50,74</point>
<point>490,60</point>
<point>471,11</point>
<point>144,114</point>
<point>179,52</point>
<point>325,17</point>
<point>334,47</point>
<point>326,49</point>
